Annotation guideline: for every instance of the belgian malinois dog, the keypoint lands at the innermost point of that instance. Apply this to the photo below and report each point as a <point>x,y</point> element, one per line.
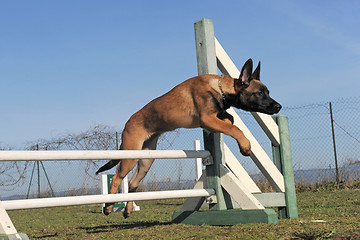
<point>198,102</point>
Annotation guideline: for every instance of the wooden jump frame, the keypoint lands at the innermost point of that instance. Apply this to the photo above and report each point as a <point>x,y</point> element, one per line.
<point>232,195</point>
<point>238,199</point>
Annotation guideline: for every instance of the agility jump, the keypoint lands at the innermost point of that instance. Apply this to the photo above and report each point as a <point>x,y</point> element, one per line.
<point>233,197</point>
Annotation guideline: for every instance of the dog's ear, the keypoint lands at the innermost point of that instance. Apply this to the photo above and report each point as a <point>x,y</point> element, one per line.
<point>246,72</point>
<point>256,73</point>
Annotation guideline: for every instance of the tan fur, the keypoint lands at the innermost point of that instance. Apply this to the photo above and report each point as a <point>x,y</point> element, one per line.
<point>197,102</point>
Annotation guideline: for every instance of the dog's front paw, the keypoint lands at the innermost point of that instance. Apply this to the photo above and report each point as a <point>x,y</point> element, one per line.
<point>245,152</point>
<point>245,147</point>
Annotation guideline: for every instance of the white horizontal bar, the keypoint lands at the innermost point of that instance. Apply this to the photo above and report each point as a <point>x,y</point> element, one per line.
<point>99,155</point>
<point>109,198</point>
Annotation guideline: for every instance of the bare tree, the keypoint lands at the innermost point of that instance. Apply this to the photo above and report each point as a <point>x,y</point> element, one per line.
<point>99,137</point>
<point>12,173</point>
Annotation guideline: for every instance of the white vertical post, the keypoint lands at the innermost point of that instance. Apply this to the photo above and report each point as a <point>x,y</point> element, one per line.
<point>104,184</point>
<point>124,186</point>
<point>104,187</point>
<point>198,161</point>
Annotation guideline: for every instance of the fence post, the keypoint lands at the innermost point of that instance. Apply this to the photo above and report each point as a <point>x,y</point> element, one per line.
<point>213,142</point>
<point>334,144</point>
<point>282,159</point>
<point>38,172</point>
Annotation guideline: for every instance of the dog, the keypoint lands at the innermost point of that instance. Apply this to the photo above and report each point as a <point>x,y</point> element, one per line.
<point>197,102</point>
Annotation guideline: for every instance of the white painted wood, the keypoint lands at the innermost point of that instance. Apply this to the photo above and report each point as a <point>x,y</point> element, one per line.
<point>225,64</point>
<point>227,67</point>
<point>124,186</point>
<point>6,225</point>
<point>234,165</point>
<point>269,126</point>
<point>104,184</point>
<point>110,198</point>
<point>259,156</point>
<point>238,190</point>
<point>99,154</point>
<point>271,199</point>
<point>193,204</point>
<point>198,161</point>
<point>104,187</point>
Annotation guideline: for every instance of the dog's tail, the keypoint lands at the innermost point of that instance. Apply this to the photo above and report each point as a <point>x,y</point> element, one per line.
<point>107,166</point>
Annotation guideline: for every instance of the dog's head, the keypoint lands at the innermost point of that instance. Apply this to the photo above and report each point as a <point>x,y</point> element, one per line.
<point>252,95</point>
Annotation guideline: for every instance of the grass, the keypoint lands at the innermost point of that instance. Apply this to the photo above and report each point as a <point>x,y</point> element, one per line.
<point>338,210</point>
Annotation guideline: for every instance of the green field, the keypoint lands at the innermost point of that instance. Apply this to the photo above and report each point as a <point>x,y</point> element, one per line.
<point>338,210</point>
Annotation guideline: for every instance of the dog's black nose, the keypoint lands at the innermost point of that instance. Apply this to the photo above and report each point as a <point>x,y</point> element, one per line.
<point>277,107</point>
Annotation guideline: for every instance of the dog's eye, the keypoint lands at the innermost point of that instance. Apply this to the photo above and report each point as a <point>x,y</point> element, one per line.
<point>261,93</point>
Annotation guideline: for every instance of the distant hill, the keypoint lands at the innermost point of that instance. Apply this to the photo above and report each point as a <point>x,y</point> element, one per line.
<point>310,177</point>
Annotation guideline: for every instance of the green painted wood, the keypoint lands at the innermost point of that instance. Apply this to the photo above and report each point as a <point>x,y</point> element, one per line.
<point>226,217</point>
<point>277,157</point>
<point>206,62</point>
<point>277,161</point>
<point>214,143</point>
<point>205,47</point>
<point>109,178</point>
<point>287,166</point>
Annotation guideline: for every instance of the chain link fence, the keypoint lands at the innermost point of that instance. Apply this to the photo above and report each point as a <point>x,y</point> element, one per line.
<point>312,142</point>
<point>326,148</point>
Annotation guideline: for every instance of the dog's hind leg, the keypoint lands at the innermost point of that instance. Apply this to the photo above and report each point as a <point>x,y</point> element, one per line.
<point>141,171</point>
<point>125,166</point>
<point>129,142</point>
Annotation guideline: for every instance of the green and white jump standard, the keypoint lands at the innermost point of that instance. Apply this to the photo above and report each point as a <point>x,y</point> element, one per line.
<point>238,199</point>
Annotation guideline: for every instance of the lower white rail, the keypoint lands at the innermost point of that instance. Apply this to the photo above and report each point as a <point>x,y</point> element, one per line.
<point>99,154</point>
<point>97,199</point>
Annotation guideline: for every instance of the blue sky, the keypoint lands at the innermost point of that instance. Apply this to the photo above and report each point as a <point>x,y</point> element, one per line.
<point>68,65</point>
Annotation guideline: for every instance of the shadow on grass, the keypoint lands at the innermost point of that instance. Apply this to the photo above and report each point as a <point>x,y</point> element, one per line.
<point>46,236</point>
<point>169,204</point>
<point>110,227</point>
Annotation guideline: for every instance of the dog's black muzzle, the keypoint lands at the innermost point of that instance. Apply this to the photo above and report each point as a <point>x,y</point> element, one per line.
<point>277,107</point>
<point>274,108</point>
